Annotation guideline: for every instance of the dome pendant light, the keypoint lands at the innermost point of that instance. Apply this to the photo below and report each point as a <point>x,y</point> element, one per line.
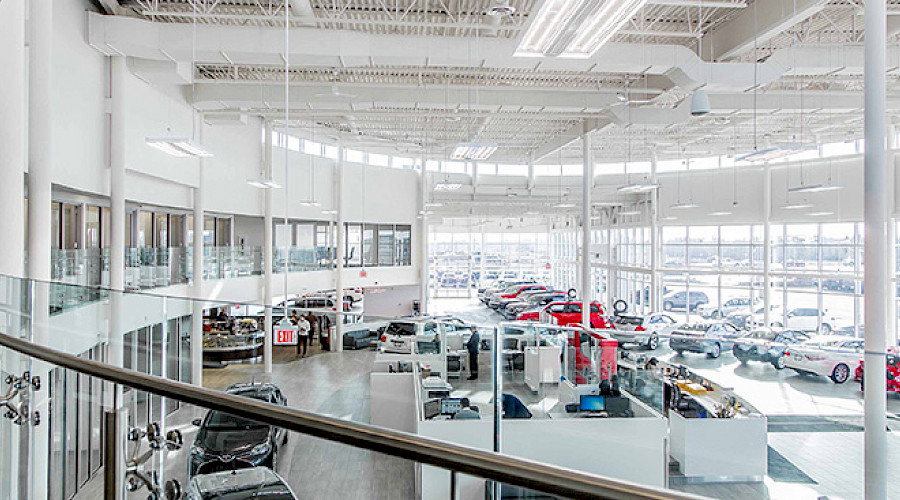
<point>700,103</point>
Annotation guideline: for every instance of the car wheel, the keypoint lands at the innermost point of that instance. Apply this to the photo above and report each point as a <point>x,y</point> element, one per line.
<point>741,359</point>
<point>716,314</point>
<point>826,329</point>
<point>715,352</point>
<point>667,306</point>
<point>679,352</point>
<point>778,363</point>
<point>777,324</point>
<point>652,342</point>
<point>840,374</point>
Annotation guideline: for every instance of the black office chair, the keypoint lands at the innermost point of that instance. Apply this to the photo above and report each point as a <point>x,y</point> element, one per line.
<point>513,407</point>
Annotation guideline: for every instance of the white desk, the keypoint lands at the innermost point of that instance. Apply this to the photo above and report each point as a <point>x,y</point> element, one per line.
<point>542,366</point>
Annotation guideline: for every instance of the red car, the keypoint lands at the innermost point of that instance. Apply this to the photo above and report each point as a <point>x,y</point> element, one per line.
<point>569,313</point>
<point>893,374</point>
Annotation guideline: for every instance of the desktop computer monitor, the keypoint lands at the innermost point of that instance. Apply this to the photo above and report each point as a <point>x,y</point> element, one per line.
<point>450,406</point>
<point>592,403</point>
<point>511,344</point>
<point>432,408</point>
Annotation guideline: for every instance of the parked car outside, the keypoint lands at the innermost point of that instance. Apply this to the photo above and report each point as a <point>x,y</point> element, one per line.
<point>227,442</point>
<point>810,319</point>
<point>825,356</point>
<point>756,318</point>
<point>644,331</point>
<point>680,301</point>
<point>257,483</point>
<point>767,346</point>
<point>737,304</point>
<point>709,338</point>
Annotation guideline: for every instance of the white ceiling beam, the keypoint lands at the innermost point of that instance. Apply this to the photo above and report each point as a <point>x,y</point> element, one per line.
<point>760,22</point>
<point>711,4</point>
<point>111,7</point>
<point>574,133</point>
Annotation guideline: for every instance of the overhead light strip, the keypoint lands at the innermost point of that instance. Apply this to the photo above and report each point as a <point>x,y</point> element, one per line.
<point>181,147</point>
<point>473,151</point>
<point>575,28</point>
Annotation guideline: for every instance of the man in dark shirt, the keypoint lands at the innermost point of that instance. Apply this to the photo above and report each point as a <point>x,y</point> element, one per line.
<point>472,347</point>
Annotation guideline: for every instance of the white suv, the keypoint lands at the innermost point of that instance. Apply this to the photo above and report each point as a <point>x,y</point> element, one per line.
<point>399,335</point>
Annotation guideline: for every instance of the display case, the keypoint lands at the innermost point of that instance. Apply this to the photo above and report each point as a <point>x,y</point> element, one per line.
<point>219,346</point>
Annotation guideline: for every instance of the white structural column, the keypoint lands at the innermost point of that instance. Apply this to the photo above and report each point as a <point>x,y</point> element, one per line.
<point>116,347</point>
<point>891,194</point>
<point>337,343</point>
<point>12,139</point>
<point>423,239</point>
<point>40,165</point>
<point>587,185</point>
<point>876,268</point>
<point>267,250</point>
<point>197,244</point>
<point>654,239</point>
<point>767,245</point>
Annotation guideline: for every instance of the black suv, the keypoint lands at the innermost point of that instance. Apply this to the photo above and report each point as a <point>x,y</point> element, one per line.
<point>228,442</point>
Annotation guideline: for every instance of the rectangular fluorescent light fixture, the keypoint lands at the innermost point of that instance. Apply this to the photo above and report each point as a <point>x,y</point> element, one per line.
<point>720,213</point>
<point>815,188</point>
<point>686,204</point>
<point>473,151</point>
<point>575,28</point>
<point>329,212</point>
<point>638,187</point>
<point>630,212</point>
<point>181,147</point>
<point>263,183</point>
<point>564,205</point>
<point>447,186</point>
<point>309,203</point>
<point>819,214</point>
<point>434,204</point>
<point>773,153</point>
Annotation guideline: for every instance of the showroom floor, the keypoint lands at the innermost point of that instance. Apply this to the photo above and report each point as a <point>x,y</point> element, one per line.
<point>815,425</point>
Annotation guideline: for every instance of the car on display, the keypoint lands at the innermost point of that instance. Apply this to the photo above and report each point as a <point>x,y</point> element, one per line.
<point>738,304</point>
<point>312,301</point>
<point>498,301</point>
<point>710,338</point>
<point>227,442</point>
<point>827,356</point>
<point>644,331</point>
<point>398,336</point>
<point>892,372</point>
<point>810,319</point>
<point>767,346</point>
<point>569,313</point>
<point>684,300</point>
<point>533,304</point>
<point>257,483</point>
<point>352,295</point>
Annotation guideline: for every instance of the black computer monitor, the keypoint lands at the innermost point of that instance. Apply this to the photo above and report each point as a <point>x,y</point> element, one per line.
<point>432,408</point>
<point>592,403</point>
<point>510,343</point>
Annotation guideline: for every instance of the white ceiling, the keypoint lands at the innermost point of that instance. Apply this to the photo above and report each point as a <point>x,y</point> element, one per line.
<point>423,75</point>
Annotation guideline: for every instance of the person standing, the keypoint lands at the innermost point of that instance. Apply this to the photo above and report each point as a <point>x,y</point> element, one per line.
<point>472,348</point>
<point>313,327</point>
<point>302,335</point>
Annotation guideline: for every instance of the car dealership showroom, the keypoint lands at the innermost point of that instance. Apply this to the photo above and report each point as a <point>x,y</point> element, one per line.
<point>271,249</point>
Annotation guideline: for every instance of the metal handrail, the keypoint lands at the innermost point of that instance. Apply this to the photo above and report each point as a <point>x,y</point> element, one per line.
<point>521,472</point>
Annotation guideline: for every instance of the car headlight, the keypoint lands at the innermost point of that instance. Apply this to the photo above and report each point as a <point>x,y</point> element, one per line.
<point>198,451</point>
<point>260,449</point>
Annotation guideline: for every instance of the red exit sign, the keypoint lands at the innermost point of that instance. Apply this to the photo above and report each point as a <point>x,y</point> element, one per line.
<point>285,337</point>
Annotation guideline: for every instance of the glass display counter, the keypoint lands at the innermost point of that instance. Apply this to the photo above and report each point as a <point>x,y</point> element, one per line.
<point>219,346</point>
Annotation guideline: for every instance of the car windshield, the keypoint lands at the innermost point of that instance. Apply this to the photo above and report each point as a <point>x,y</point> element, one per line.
<point>400,329</point>
<point>222,420</point>
<point>762,335</point>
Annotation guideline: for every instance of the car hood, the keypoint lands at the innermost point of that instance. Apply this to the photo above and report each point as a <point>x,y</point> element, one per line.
<point>232,441</point>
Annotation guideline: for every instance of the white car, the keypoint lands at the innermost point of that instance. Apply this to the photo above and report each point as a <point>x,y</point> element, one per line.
<point>352,295</point>
<point>833,357</point>
<point>807,319</point>
<point>730,306</point>
<point>399,335</point>
<point>642,330</point>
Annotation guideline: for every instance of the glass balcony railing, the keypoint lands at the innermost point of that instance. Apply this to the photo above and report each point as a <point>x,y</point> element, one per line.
<point>145,409</point>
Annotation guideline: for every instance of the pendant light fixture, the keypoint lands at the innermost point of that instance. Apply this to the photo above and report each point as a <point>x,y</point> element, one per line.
<point>700,99</point>
<point>679,205</point>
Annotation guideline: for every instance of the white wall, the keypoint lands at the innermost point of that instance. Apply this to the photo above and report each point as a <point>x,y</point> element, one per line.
<point>391,301</point>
